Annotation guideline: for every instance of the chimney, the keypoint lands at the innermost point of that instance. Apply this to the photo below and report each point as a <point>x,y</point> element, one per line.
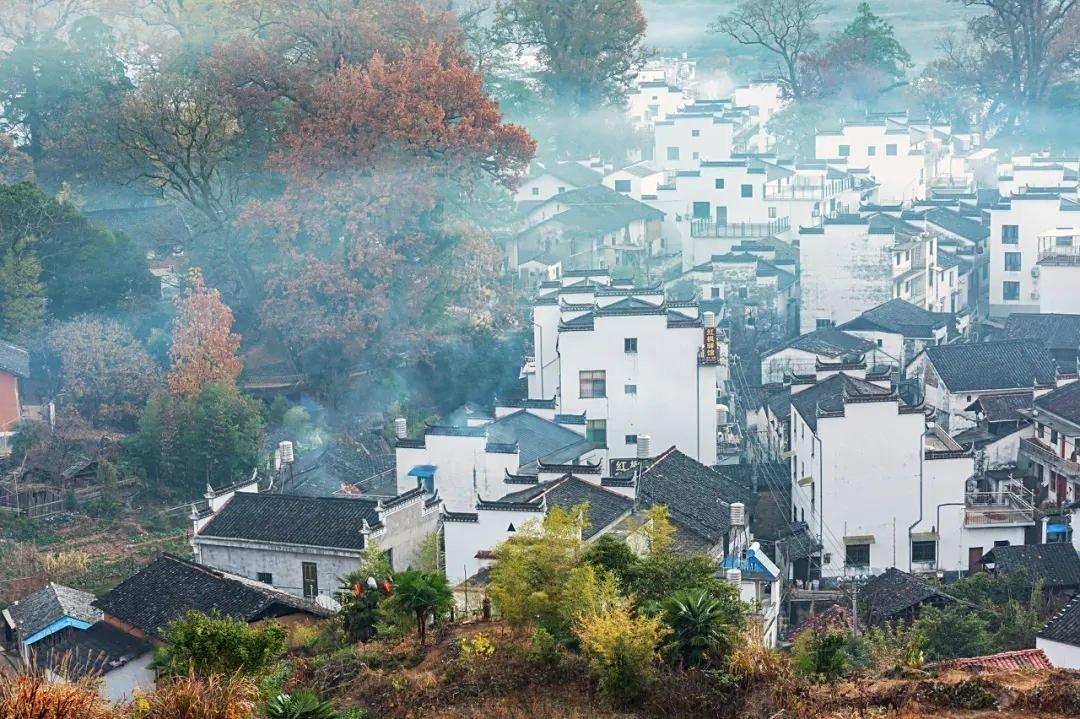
<point>644,446</point>
<point>401,428</point>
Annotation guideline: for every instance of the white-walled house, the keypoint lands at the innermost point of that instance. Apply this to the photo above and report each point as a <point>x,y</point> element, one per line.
<point>767,99</point>
<point>881,489</point>
<point>951,377</point>
<point>1016,247</point>
<point>1051,449</point>
<point>1057,273</point>
<point>902,330</point>
<point>802,355</point>
<point>1060,638</point>
<point>653,101</point>
<point>547,180</point>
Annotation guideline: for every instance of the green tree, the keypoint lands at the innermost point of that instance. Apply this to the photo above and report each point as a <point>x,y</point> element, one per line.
<point>621,646</point>
<point>956,631</point>
<point>702,628</point>
<point>863,61</point>
<point>84,267</point>
<point>426,595</point>
<point>823,652</point>
<point>659,575</point>
<point>205,645</point>
<point>22,294</point>
<point>612,554</point>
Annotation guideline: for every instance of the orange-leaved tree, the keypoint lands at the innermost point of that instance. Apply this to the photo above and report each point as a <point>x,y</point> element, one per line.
<point>204,347</point>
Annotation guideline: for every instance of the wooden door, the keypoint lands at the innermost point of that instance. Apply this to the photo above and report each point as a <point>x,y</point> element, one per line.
<point>311,579</point>
<point>974,555</point>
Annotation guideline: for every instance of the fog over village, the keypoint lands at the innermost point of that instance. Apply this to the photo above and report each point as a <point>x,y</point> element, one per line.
<point>539,359</point>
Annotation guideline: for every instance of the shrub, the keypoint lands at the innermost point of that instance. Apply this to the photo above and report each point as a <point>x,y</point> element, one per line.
<point>190,697</point>
<point>301,704</point>
<point>893,646</point>
<point>204,645</point>
<point>822,653</point>
<point>544,648</point>
<point>476,645</point>
<point>703,629</point>
<point>956,631</point>
<point>622,649</point>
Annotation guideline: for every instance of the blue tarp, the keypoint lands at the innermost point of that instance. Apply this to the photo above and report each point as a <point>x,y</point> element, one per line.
<point>424,471</point>
<point>1057,528</point>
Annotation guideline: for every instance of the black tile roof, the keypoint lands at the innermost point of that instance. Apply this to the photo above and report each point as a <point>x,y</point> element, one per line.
<point>536,437</point>
<point>322,475</point>
<point>1003,407</point>
<point>979,366</point>
<point>170,587</point>
<point>828,342</point>
<point>697,497</point>
<point>149,227</point>
<point>94,652</point>
<point>827,396</point>
<point>1063,402</point>
<point>1057,565</point>
<point>14,360</point>
<point>957,224</point>
<point>605,506</point>
<point>1056,331</point>
<point>894,592</point>
<point>1064,626</point>
<point>601,209</point>
<point>311,521</point>
<point>575,173</point>
<point>899,316</point>
<point>51,603</point>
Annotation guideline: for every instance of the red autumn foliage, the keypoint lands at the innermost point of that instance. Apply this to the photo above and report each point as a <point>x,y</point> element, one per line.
<point>204,347</point>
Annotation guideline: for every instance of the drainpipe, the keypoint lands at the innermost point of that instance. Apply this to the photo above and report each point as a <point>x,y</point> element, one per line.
<point>917,522</point>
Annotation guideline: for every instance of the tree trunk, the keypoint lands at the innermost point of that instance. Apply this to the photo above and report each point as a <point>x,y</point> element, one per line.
<point>421,625</point>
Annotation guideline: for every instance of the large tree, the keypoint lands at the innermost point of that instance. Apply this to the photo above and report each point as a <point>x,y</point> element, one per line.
<point>204,346</point>
<point>22,295</point>
<point>863,61</point>
<point>588,49</point>
<point>784,28</point>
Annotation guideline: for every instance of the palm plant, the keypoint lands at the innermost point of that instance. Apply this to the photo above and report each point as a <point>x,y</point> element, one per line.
<point>700,632</point>
<point>423,594</point>
<point>302,704</point>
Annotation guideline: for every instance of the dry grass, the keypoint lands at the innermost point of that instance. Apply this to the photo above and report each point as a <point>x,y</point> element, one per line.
<point>191,698</point>
<point>31,697</point>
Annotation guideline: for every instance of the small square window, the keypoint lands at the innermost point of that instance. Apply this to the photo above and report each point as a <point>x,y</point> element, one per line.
<point>823,324</point>
<point>536,191</point>
<point>772,213</point>
<point>695,133</point>
<point>264,577</point>
<point>622,185</point>
<point>890,149</point>
<point>629,344</point>
<point>718,183</point>
<point>1012,261</point>
<point>562,190</point>
<point>673,153</point>
<point>845,151</point>
<point>1010,291</point>
<point>857,555</point>
<point>714,292</point>
<point>924,552</point>
<point>694,156</point>
<point>747,191</point>
<point>629,389</point>
<point>592,383</point>
<point>1010,234</point>
<point>596,431</point>
<point>871,151</point>
<point>631,439</point>
<point>1053,436</point>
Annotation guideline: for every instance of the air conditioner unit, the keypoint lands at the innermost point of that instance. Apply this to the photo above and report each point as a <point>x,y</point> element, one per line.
<point>1035,271</point>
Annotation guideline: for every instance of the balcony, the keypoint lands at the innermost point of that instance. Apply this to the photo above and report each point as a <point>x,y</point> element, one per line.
<point>821,190</point>
<point>708,228</point>
<point>1065,255</point>
<point>953,183</point>
<point>1045,455</point>
<point>1010,506</point>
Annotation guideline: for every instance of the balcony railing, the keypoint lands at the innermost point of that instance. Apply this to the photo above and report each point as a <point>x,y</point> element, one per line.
<point>1064,255</point>
<point>1012,505</point>
<point>808,190</point>
<point>708,228</point>
<point>1048,456</point>
<point>958,183</point>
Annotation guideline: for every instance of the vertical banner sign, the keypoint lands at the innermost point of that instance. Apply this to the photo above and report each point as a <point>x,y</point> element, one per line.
<point>710,345</point>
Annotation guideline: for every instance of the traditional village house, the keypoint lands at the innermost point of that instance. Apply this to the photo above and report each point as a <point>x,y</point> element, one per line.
<point>1059,639</point>
<point>653,101</point>
<point>801,355</point>
<point>1059,333</point>
<point>14,365</point>
<point>46,617</point>
<point>1024,172</point>
<point>546,180</point>
<point>1051,449</point>
<point>161,232</point>
<point>1056,274</point>
<point>898,596</point>
<point>1056,567</point>
<point>902,330</point>
<point>952,377</point>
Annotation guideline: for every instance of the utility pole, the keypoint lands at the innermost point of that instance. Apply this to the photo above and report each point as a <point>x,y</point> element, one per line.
<point>855,607</point>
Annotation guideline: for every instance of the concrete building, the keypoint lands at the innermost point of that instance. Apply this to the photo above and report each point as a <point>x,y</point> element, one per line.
<point>654,101</point>
<point>803,354</point>
<point>881,489</point>
<point>902,330</point>
<point>1060,638</point>
<point>547,180</point>
<point>1056,275</point>
<point>1019,241</point>
<point>1051,451</point>
<point>14,365</point>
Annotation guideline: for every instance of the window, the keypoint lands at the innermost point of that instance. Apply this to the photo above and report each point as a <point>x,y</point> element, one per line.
<point>264,577</point>
<point>629,389</point>
<point>1012,261</point>
<point>743,292</point>
<point>1010,291</point>
<point>880,342</point>
<point>1010,234</point>
<point>1063,241</point>
<point>1041,429</point>
<point>536,191</point>
<point>562,190</point>
<point>631,439</point>
<point>772,213</point>
<point>871,151</point>
<point>622,185</point>
<point>694,155</point>
<point>890,150</point>
<point>747,190</point>
<point>1053,436</point>
<point>702,210</point>
<point>857,555</point>
<point>714,292</point>
<point>1001,542</point>
<point>310,574</point>
<point>629,345</point>
<point>673,153</point>
<point>593,383</point>
<point>823,324</point>
<point>695,133</point>
<point>845,150</point>
<point>718,183</point>
<point>924,551</point>
<point>596,431</point>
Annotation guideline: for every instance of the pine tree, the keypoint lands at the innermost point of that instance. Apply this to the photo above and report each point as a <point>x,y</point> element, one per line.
<point>22,294</point>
